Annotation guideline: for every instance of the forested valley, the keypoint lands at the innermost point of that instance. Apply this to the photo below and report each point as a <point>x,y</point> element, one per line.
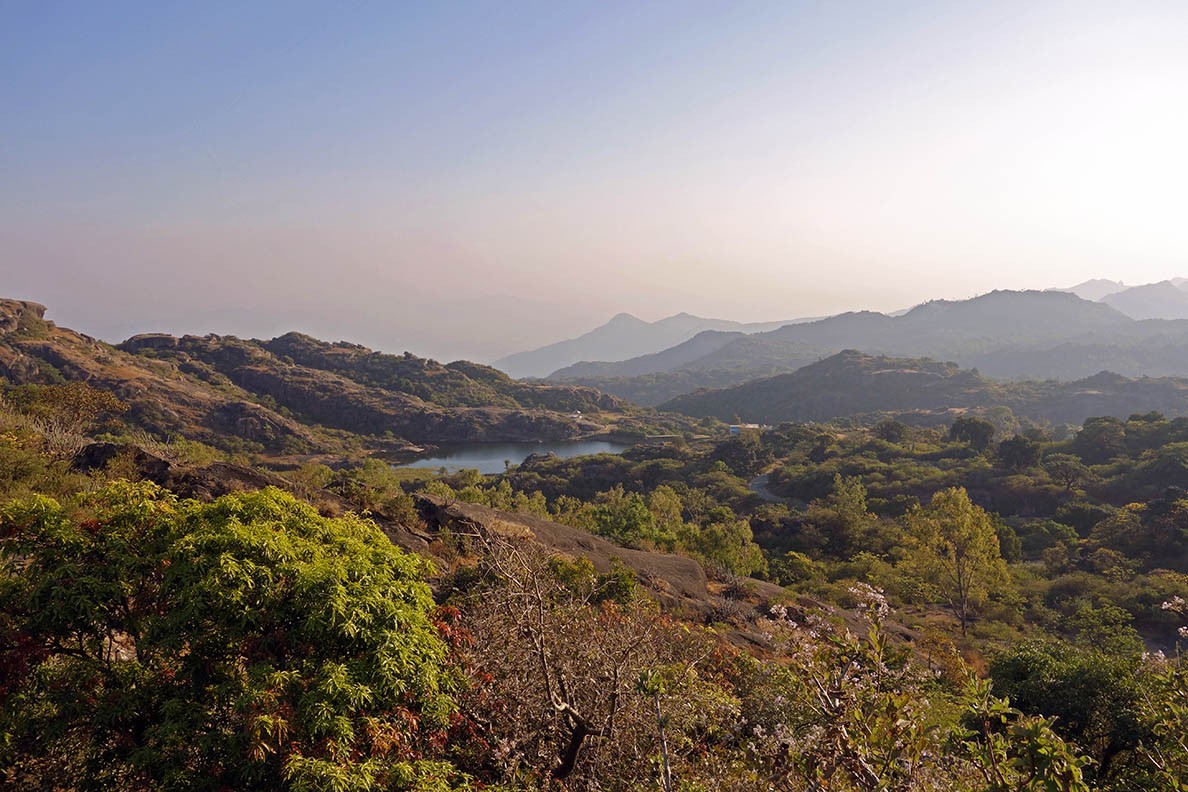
<point>862,606</point>
<point>593,396</point>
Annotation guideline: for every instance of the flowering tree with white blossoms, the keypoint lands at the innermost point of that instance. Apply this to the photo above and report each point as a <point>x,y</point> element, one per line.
<point>855,713</point>
<point>1165,704</point>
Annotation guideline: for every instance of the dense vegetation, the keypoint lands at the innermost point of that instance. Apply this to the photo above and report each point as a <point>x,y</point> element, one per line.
<point>982,606</point>
<point>242,643</point>
<point>1046,564</point>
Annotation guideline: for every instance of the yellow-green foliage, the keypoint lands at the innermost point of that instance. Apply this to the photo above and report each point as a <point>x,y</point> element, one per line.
<point>245,643</point>
<point>954,547</point>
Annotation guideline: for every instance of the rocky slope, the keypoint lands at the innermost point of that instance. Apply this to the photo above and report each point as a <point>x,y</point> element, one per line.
<point>164,397</point>
<point>295,394</point>
<point>677,582</point>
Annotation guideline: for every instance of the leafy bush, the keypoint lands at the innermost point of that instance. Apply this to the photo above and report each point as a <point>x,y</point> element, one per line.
<point>151,643</point>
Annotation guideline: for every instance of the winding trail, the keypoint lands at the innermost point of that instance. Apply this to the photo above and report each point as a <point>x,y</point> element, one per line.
<point>758,485</point>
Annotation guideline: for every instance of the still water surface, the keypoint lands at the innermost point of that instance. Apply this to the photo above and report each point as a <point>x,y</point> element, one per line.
<point>489,457</point>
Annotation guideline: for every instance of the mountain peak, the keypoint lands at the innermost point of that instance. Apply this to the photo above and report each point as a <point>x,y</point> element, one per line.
<point>625,318</point>
<point>1094,289</point>
<point>622,338</point>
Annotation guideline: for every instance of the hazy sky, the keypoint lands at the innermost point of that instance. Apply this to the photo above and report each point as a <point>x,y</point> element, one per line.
<point>469,179</point>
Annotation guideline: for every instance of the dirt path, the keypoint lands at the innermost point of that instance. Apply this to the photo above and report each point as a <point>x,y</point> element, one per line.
<point>758,485</point>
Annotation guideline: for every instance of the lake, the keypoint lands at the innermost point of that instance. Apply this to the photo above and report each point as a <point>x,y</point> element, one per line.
<point>490,457</point>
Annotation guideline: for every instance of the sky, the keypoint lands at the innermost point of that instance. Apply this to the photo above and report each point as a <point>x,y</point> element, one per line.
<point>472,179</point>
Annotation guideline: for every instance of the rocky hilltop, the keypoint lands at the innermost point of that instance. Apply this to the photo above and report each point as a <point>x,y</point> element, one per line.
<point>296,394</point>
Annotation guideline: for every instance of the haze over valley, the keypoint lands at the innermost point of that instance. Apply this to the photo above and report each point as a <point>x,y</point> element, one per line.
<point>594,397</point>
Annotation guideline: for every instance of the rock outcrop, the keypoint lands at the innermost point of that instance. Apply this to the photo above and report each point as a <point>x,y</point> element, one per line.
<point>675,581</point>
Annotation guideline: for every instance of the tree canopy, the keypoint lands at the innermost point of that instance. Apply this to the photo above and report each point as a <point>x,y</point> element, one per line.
<point>954,547</point>
<point>246,643</point>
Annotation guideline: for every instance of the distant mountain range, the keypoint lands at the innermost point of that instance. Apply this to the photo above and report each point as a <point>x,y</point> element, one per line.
<point>1163,300</point>
<point>926,391</point>
<point>623,337</point>
<point>1064,333</point>
<point>1008,334</point>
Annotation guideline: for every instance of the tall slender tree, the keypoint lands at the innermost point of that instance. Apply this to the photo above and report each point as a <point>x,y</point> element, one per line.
<point>954,547</point>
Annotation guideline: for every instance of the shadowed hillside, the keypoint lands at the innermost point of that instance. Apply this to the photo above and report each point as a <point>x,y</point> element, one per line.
<point>852,383</point>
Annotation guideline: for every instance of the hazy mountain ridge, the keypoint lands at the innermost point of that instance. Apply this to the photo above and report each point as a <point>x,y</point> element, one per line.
<point>1006,334</point>
<point>1094,289</point>
<point>852,383</point>
<point>1163,300</point>
<point>704,343</point>
<point>622,338</point>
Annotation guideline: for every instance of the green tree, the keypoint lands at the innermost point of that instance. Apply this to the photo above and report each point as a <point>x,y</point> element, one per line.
<point>974,432</point>
<point>1100,440</point>
<point>246,643</point>
<point>844,517</point>
<point>730,544</point>
<point>1093,695</point>
<point>891,431</point>
<point>1018,453</point>
<point>1066,469</point>
<point>667,510</point>
<point>953,546</point>
<point>624,518</point>
<point>744,454</point>
<point>848,499</point>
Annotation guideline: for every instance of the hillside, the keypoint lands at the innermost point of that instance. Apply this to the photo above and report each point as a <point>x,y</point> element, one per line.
<point>295,394</point>
<point>1163,300</point>
<point>623,337</point>
<point>926,391</point>
<point>1014,335</point>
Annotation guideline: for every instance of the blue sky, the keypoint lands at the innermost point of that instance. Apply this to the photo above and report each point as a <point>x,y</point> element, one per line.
<point>465,179</point>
